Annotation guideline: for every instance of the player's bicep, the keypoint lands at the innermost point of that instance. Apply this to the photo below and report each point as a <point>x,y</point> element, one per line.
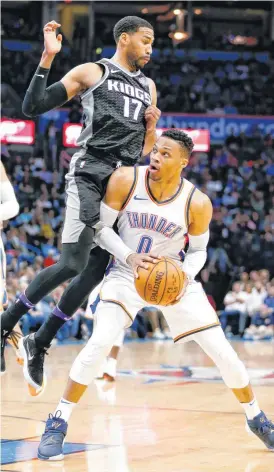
<point>80,78</point>
<point>118,188</point>
<point>200,214</point>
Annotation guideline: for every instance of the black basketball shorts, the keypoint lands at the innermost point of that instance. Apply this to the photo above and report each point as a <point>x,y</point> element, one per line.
<point>86,185</point>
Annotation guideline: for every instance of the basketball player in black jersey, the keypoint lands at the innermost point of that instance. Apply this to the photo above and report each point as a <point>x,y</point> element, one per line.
<point>120,117</point>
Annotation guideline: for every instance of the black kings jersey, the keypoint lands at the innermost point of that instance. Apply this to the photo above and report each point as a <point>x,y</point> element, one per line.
<point>113,114</point>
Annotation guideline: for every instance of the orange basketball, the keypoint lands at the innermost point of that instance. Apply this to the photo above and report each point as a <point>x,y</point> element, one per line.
<point>161,283</point>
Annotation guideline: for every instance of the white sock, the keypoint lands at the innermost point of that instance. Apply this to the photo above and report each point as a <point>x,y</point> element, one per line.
<point>251,409</point>
<point>66,408</point>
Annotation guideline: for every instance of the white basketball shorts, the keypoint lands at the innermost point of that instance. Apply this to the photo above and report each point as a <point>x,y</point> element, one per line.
<point>192,314</point>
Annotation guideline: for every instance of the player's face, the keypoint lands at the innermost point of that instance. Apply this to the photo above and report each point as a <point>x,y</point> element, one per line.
<point>167,160</point>
<point>139,47</point>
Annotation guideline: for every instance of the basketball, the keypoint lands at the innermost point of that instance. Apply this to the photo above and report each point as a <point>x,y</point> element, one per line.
<point>161,283</point>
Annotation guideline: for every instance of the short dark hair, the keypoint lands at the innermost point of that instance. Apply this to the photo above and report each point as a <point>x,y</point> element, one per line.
<point>182,138</point>
<point>129,24</point>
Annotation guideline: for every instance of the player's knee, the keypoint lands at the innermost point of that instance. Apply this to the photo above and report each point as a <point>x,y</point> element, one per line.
<point>73,264</point>
<point>232,369</point>
<point>87,363</point>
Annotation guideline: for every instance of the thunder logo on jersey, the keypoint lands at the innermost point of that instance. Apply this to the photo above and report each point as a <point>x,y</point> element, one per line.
<point>153,223</point>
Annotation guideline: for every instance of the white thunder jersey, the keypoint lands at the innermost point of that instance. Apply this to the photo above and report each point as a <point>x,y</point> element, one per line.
<point>146,224</point>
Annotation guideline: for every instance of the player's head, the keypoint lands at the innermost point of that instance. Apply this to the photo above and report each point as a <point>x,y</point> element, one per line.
<point>248,287</point>
<point>134,36</point>
<point>170,155</point>
<point>236,287</point>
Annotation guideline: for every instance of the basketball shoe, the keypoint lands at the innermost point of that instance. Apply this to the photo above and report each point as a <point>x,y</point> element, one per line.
<point>51,444</point>
<point>33,364</point>
<point>13,338</point>
<point>263,428</point>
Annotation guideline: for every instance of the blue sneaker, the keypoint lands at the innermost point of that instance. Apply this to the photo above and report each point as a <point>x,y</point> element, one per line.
<point>263,428</point>
<point>51,444</point>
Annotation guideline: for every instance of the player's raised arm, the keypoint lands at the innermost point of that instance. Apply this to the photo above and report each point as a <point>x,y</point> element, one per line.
<point>39,98</point>
<point>152,116</point>
<point>198,233</point>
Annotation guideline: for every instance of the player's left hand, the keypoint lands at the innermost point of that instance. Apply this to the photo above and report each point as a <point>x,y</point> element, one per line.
<point>152,116</point>
<point>137,260</point>
<point>181,294</point>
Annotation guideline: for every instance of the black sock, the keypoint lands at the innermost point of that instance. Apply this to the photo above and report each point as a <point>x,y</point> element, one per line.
<point>48,331</point>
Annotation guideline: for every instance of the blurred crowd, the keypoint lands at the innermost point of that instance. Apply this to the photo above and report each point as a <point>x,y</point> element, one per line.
<point>249,307</point>
<point>183,83</point>
<point>238,177</point>
<point>192,86</point>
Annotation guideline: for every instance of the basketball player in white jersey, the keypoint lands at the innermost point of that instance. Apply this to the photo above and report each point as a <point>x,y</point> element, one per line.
<point>155,208</point>
<point>9,208</point>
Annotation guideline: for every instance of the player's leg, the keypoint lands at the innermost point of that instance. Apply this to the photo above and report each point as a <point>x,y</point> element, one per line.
<point>193,318</point>
<point>215,345</point>
<point>110,365</point>
<point>110,320</point>
<point>33,347</point>
<point>154,319</point>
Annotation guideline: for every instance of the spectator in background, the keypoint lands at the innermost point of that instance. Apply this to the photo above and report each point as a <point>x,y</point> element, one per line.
<point>235,306</point>
<point>262,322</point>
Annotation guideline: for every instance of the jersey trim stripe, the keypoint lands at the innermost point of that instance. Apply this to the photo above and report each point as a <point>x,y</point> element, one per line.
<point>109,300</point>
<point>187,207</point>
<point>164,202</point>
<point>115,64</point>
<point>132,189</point>
<point>197,330</point>
<point>101,81</point>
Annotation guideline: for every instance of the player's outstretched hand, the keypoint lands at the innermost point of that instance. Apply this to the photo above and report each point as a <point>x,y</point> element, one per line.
<point>152,116</point>
<point>52,43</point>
<point>141,260</point>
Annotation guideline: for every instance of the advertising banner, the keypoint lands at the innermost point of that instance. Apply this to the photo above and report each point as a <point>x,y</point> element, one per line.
<point>71,132</point>
<point>219,126</point>
<point>201,138</point>
<point>17,131</point>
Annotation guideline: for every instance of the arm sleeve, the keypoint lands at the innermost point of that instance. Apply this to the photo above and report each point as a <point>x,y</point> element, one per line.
<point>106,237</point>
<point>9,206</point>
<point>39,98</point>
<point>109,240</point>
<point>196,255</point>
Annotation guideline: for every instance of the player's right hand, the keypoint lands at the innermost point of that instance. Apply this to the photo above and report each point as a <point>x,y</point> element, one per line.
<point>52,43</point>
<point>141,260</point>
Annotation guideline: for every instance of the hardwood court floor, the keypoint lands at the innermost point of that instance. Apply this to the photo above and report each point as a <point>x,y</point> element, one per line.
<point>167,412</point>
